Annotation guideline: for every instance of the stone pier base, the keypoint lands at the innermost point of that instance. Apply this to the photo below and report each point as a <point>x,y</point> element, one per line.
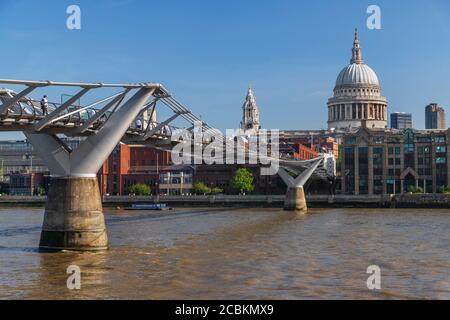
<point>73,218</point>
<point>295,200</point>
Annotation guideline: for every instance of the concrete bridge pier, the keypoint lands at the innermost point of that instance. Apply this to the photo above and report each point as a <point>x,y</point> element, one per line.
<point>295,196</point>
<point>73,218</point>
<point>295,200</point>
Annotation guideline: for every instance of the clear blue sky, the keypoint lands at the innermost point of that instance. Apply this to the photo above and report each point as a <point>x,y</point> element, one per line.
<point>207,52</point>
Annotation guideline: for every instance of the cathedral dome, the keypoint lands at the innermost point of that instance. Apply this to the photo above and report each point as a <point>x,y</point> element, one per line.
<point>357,98</point>
<point>357,73</point>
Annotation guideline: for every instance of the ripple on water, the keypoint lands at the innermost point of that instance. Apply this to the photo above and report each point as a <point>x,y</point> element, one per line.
<point>233,254</point>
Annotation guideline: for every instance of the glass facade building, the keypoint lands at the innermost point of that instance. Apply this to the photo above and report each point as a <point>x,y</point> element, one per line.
<point>434,117</point>
<point>401,120</point>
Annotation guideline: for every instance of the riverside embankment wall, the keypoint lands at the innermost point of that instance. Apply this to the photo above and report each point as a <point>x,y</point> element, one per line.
<point>314,201</point>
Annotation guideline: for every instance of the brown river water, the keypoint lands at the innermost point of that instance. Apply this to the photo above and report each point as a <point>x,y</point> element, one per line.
<point>224,253</point>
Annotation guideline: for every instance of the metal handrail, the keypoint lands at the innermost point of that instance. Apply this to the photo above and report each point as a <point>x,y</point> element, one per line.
<point>29,109</point>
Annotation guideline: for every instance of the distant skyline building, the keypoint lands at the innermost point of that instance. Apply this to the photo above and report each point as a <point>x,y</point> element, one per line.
<point>434,117</point>
<point>357,96</point>
<point>401,120</point>
<point>250,123</point>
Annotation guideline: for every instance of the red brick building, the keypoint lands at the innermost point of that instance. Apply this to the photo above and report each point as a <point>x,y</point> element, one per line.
<point>317,143</point>
<point>297,151</point>
<point>128,165</point>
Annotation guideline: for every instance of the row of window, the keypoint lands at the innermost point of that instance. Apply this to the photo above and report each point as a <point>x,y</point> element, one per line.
<point>380,140</point>
<point>366,91</point>
<point>420,161</point>
<point>396,150</point>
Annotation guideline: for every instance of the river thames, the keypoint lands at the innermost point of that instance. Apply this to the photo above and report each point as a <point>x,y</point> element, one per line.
<point>227,253</point>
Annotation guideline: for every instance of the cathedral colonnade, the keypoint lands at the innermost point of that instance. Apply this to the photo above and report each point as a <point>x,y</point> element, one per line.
<point>358,111</point>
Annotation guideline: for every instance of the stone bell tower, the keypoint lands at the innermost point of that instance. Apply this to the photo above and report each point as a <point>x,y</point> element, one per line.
<point>250,124</point>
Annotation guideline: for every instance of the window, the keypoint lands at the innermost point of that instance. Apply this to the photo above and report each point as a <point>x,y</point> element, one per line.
<point>363,161</point>
<point>409,148</point>
<point>378,140</point>
<point>439,139</point>
<point>378,151</point>
<point>440,160</point>
<point>350,141</point>
<point>423,139</point>
<point>424,171</point>
<point>440,149</point>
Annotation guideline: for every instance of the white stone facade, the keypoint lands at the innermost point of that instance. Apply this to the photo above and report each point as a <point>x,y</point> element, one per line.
<point>250,123</point>
<point>357,96</point>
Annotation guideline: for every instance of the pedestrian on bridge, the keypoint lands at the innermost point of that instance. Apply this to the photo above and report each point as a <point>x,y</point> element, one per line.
<point>44,105</point>
<point>91,113</point>
<point>138,124</point>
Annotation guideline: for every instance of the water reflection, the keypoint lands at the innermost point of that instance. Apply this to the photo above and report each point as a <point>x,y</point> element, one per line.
<point>240,254</point>
<point>51,277</point>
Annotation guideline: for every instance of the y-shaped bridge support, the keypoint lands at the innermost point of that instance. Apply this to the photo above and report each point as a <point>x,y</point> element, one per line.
<point>295,195</point>
<point>73,218</point>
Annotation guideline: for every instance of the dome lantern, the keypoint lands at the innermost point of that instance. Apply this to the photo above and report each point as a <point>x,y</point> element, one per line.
<point>356,50</point>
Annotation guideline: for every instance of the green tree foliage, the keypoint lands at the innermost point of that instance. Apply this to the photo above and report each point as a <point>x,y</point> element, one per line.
<point>200,188</point>
<point>140,189</point>
<point>40,191</point>
<point>444,189</point>
<point>413,189</point>
<point>243,181</point>
<point>216,190</point>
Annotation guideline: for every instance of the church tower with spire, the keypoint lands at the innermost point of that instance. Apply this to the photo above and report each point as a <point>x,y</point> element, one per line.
<point>250,124</point>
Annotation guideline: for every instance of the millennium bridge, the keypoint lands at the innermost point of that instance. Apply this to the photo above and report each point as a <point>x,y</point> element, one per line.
<point>73,218</point>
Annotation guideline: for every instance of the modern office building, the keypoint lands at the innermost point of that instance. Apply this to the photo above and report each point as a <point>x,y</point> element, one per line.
<point>401,120</point>
<point>18,156</point>
<point>357,96</point>
<point>434,117</point>
<point>25,184</point>
<point>176,180</point>
<point>21,169</point>
<point>388,161</point>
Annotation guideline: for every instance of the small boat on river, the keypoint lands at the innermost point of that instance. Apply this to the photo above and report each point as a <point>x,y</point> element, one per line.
<point>148,206</point>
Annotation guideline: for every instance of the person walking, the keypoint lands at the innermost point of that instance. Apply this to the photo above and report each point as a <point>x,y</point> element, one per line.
<point>44,105</point>
<point>138,124</point>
